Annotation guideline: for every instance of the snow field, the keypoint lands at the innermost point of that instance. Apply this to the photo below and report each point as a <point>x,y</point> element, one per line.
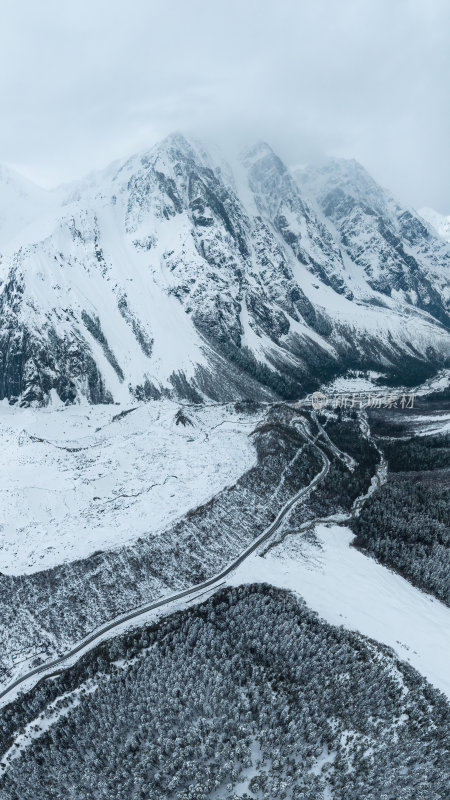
<point>347,588</point>
<point>74,481</point>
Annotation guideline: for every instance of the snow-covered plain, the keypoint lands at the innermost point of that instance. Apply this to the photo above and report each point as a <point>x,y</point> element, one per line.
<point>75,481</point>
<point>430,424</point>
<point>358,383</point>
<point>348,588</point>
<point>437,383</point>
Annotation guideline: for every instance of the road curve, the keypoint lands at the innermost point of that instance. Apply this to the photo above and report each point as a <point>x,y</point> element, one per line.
<point>47,670</point>
<point>349,462</point>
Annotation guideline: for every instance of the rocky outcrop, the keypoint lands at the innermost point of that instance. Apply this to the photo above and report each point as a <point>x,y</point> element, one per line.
<point>397,252</point>
<point>173,274</point>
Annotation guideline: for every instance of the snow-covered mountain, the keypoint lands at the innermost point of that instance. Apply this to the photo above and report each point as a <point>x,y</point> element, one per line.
<point>440,222</point>
<point>394,250</point>
<point>173,273</point>
<point>21,202</point>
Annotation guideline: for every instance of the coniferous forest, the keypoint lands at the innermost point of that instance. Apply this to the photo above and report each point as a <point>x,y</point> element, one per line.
<point>225,400</point>
<point>406,523</point>
<point>249,695</point>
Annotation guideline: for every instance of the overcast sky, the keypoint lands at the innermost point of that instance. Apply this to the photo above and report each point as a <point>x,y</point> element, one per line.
<point>86,82</point>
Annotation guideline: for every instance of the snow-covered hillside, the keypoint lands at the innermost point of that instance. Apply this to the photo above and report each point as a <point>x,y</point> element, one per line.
<point>348,588</point>
<point>21,204</point>
<point>173,274</point>
<point>388,245</point>
<point>82,479</point>
<point>440,222</point>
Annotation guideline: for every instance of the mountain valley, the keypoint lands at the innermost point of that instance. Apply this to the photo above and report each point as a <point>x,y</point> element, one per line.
<point>213,585</point>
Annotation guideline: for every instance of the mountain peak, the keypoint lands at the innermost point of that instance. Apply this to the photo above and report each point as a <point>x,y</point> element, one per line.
<point>169,275</point>
<point>177,141</point>
<point>21,201</point>
<point>18,183</point>
<point>177,145</point>
<point>256,152</point>
<point>347,173</point>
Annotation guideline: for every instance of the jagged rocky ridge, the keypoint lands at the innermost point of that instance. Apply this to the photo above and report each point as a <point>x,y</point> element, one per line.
<point>173,274</point>
<point>397,252</point>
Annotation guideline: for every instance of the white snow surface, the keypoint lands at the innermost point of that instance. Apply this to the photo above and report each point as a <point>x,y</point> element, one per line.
<point>440,222</point>
<point>371,381</point>
<point>439,382</point>
<point>74,481</point>
<point>348,588</point>
<point>129,248</point>
<point>21,203</point>
<point>38,726</point>
<point>352,384</point>
<point>430,424</point>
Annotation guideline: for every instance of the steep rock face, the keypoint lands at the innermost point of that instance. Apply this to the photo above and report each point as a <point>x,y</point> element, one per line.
<point>173,274</point>
<point>278,199</point>
<point>397,251</point>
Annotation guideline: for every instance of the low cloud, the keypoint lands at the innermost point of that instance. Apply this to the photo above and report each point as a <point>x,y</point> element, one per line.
<point>82,84</point>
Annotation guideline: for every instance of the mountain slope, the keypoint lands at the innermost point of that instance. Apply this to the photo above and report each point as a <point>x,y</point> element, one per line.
<point>396,251</point>
<point>21,202</point>
<point>440,222</point>
<point>173,274</point>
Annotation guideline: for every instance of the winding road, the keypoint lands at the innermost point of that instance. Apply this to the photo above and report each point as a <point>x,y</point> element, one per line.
<point>57,665</point>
